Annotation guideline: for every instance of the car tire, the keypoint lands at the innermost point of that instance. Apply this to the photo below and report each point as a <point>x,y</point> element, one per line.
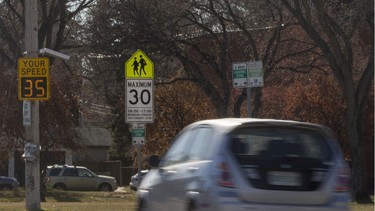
<point>59,186</point>
<point>6,187</point>
<point>105,187</point>
<point>141,205</point>
<point>192,206</point>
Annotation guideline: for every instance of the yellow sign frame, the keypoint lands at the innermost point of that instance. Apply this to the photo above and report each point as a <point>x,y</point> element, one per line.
<point>33,79</point>
<point>139,66</point>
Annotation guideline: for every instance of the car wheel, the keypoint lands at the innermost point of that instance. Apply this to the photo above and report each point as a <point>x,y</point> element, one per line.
<point>141,205</point>
<point>6,187</point>
<point>59,186</point>
<point>105,187</point>
<point>192,206</point>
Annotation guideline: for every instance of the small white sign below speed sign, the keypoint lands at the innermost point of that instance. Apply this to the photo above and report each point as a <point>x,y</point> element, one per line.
<point>139,101</point>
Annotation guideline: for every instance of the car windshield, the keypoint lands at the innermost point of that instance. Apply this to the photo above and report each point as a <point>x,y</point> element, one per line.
<point>265,143</point>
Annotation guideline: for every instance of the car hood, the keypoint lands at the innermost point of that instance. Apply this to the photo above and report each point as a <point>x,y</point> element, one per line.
<point>8,179</point>
<point>106,177</point>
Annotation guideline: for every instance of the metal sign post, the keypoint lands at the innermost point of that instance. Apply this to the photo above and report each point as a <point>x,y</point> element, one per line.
<point>138,135</point>
<point>255,79</point>
<point>247,75</point>
<point>248,96</point>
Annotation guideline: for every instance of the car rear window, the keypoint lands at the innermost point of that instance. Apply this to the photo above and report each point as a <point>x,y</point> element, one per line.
<point>264,143</point>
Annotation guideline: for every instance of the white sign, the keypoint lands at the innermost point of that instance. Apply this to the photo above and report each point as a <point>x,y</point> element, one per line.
<point>26,113</point>
<point>255,73</point>
<point>139,97</point>
<point>239,75</point>
<point>138,133</point>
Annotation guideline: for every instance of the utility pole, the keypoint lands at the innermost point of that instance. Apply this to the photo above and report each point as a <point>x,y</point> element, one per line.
<point>32,168</point>
<point>248,93</point>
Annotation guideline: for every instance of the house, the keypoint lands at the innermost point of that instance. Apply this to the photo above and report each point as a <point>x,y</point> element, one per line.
<point>97,141</point>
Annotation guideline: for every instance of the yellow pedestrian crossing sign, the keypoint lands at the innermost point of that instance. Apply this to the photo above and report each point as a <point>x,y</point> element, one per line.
<point>139,66</point>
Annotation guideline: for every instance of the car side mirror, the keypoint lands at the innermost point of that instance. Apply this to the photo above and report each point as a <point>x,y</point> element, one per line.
<point>154,161</point>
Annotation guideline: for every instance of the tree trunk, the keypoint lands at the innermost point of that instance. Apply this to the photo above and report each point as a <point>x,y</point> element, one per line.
<point>257,101</point>
<point>238,104</point>
<point>359,171</point>
<point>221,110</point>
<point>359,178</point>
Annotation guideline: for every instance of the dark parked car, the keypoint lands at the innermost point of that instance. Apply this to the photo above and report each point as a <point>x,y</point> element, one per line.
<point>67,177</point>
<point>8,183</point>
<point>249,164</point>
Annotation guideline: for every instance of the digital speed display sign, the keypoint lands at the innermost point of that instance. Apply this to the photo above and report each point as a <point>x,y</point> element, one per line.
<point>33,79</point>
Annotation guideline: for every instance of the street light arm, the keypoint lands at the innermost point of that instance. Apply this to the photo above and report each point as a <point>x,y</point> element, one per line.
<point>53,53</point>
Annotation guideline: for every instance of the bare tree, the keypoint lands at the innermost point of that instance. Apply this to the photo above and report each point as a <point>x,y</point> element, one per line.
<point>207,36</point>
<point>342,30</point>
<point>194,41</point>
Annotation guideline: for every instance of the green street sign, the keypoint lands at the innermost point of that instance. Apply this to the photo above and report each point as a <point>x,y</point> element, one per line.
<point>139,132</point>
<point>239,75</point>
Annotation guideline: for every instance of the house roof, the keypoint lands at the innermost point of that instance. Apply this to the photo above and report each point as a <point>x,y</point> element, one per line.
<point>95,136</point>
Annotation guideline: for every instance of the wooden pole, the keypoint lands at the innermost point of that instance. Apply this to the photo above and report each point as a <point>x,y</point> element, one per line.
<point>32,168</point>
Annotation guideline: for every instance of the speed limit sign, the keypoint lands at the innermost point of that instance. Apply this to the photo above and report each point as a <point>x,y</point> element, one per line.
<point>139,101</point>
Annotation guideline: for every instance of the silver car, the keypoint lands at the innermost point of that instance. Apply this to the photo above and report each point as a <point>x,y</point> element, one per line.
<point>249,164</point>
<point>65,177</point>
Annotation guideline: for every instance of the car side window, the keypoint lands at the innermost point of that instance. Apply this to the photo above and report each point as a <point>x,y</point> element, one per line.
<point>54,171</point>
<point>83,173</point>
<point>70,172</point>
<point>201,144</point>
<point>179,149</point>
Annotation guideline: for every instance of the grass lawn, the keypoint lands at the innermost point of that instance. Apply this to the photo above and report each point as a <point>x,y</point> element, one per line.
<point>124,200</point>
